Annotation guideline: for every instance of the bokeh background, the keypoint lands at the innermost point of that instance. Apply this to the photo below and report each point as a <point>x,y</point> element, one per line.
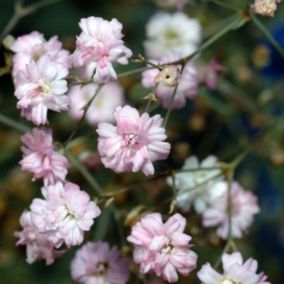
<point>221,122</point>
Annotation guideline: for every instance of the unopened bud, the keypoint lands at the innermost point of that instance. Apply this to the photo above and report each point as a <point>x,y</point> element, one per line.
<point>169,76</point>
<point>265,7</point>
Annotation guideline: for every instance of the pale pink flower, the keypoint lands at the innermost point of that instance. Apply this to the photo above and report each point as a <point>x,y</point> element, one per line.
<point>97,263</point>
<point>98,46</point>
<point>168,33</point>
<point>38,245</point>
<point>32,47</point>
<point>101,110</point>
<point>235,271</point>
<point>244,207</point>
<point>133,143</point>
<point>162,248</point>
<point>40,158</point>
<point>67,211</point>
<point>40,88</point>
<point>209,73</point>
<point>187,83</point>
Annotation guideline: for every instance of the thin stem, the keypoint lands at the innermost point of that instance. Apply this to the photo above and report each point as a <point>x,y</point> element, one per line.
<point>168,114</point>
<point>14,124</point>
<point>9,27</point>
<point>237,22</point>
<point>230,174</point>
<point>86,108</point>
<point>133,72</point>
<point>268,35</point>
<point>84,171</point>
<point>225,5</point>
<point>20,12</point>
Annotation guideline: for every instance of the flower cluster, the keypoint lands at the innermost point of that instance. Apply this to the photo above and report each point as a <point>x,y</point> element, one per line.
<point>40,69</point>
<point>162,247</point>
<point>98,263</point>
<point>60,218</point>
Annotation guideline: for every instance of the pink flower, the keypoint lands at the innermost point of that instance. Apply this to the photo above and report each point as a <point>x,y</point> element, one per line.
<point>32,47</point>
<point>187,83</point>
<point>134,143</point>
<point>108,98</point>
<point>40,88</point>
<point>40,158</point>
<point>162,248</point>
<point>38,245</point>
<point>235,271</point>
<point>244,207</point>
<point>98,46</point>
<point>208,74</point>
<point>97,263</point>
<point>67,211</point>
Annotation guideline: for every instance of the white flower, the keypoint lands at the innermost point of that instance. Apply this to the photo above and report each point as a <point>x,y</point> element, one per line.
<point>193,187</point>
<point>172,32</point>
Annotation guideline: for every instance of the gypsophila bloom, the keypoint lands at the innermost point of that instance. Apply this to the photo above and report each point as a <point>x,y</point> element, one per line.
<point>38,245</point>
<point>32,47</point>
<point>244,207</point>
<point>265,7</point>
<point>169,33</point>
<point>209,73</point>
<point>99,46</point>
<point>187,83</point>
<point>162,248</point>
<point>40,158</point>
<point>101,110</point>
<point>97,263</point>
<point>40,88</point>
<point>195,187</point>
<point>133,143</point>
<point>236,271</point>
<point>67,211</point>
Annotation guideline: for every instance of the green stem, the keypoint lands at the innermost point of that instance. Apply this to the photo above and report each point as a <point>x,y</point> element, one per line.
<point>20,12</point>
<point>268,35</point>
<point>84,171</point>
<point>14,124</point>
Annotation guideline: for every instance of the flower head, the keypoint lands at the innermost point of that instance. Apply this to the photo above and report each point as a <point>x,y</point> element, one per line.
<point>108,98</point>
<point>134,143</point>
<point>98,46</point>
<point>195,187</point>
<point>235,271</point>
<point>38,245</point>
<point>244,207</point>
<point>265,7</point>
<point>40,158</point>
<point>169,33</point>
<point>40,88</point>
<point>162,248</point>
<point>96,263</point>
<point>66,211</point>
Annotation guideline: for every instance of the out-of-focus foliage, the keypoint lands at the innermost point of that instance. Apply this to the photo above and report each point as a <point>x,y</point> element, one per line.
<point>250,92</point>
